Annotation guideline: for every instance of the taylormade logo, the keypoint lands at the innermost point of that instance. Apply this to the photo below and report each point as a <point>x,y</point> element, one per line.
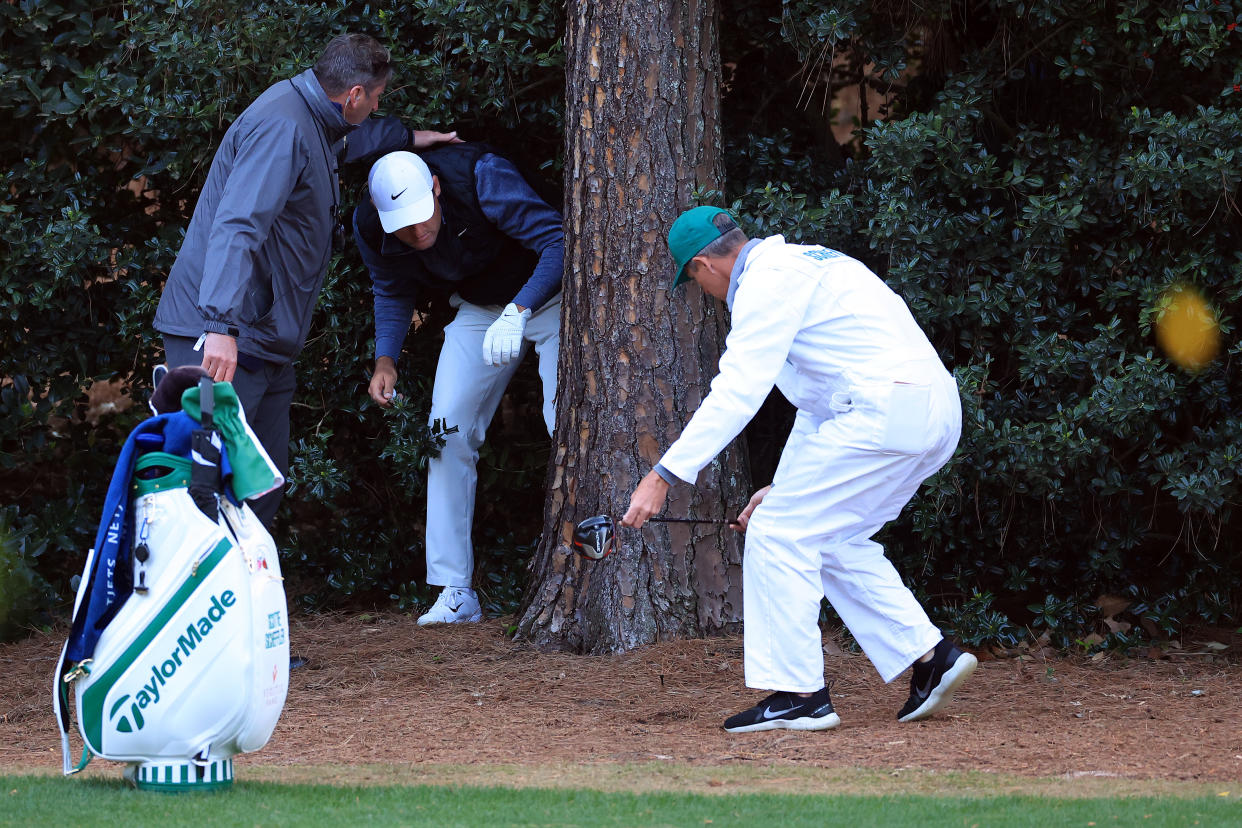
<point>150,695</point>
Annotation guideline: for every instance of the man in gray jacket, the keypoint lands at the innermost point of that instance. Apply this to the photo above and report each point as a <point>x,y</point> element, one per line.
<point>240,295</point>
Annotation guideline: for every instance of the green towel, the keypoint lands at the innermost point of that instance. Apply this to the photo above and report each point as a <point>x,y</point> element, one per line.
<point>254,473</point>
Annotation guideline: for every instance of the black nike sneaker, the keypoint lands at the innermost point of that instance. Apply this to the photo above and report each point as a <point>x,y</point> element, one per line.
<point>786,710</point>
<point>932,683</point>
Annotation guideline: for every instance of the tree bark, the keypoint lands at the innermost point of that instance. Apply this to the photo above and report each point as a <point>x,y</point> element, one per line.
<point>642,133</point>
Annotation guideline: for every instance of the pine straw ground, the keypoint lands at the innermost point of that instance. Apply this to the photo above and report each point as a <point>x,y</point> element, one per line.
<point>379,689</point>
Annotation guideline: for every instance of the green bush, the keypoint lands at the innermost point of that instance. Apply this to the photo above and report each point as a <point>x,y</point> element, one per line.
<point>25,596</point>
<point>1048,173</point>
<point>114,114</point>
<point>1031,176</point>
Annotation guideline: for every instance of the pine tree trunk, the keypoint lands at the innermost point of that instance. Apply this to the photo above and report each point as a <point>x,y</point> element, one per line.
<point>642,132</point>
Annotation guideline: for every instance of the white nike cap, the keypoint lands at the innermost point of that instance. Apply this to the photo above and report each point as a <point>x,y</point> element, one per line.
<point>400,186</point>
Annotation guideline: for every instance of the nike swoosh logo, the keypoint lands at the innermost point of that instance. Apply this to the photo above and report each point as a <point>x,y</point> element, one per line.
<point>454,609</point>
<point>926,689</point>
<point>769,714</point>
<point>398,195</point>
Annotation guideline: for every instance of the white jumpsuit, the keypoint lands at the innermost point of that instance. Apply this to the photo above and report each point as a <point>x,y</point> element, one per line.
<point>877,414</point>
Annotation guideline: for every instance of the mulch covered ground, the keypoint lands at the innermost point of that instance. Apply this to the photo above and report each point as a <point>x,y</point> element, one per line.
<point>381,689</point>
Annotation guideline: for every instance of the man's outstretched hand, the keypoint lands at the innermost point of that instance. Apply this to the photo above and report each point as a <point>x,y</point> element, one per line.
<point>425,138</point>
<point>647,500</point>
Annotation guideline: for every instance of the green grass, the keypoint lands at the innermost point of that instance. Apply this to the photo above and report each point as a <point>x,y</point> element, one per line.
<point>42,800</point>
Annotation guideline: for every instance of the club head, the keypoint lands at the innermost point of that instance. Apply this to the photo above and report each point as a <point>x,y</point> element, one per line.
<point>593,537</point>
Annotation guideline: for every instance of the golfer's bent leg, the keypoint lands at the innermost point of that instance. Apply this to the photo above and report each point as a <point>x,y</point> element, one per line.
<point>466,395</point>
<point>544,330</point>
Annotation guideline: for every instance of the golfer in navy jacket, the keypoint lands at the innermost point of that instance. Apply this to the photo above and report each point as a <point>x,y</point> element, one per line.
<point>460,222</point>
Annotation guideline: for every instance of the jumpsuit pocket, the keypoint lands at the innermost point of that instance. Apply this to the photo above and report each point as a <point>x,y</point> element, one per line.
<point>906,419</point>
<point>893,417</point>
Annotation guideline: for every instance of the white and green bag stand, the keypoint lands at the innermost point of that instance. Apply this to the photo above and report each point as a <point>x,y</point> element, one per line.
<point>179,657</point>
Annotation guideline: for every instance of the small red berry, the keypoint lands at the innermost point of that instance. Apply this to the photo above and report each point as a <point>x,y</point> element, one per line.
<point>1231,27</point>
<point>1146,55</point>
<point>1237,87</point>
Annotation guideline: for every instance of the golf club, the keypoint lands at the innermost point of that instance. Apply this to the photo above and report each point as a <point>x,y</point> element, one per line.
<point>594,536</point>
<point>692,520</point>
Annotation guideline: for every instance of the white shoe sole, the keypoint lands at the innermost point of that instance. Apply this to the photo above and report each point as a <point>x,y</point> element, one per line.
<point>473,619</point>
<point>805,723</point>
<point>943,694</point>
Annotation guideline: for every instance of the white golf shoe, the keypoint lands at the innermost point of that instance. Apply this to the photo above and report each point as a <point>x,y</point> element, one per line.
<point>456,605</point>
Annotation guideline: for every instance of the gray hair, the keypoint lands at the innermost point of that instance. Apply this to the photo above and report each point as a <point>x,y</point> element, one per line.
<point>351,60</point>
<point>731,237</point>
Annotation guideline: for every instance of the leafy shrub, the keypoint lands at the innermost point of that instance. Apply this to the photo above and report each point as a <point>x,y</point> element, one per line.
<point>1031,177</point>
<point>1046,175</point>
<point>25,596</point>
<point>114,114</point>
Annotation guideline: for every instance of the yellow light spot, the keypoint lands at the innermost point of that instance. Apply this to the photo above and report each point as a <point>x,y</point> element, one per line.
<point>1187,329</point>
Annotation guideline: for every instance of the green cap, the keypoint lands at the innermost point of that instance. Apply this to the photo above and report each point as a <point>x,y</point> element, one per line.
<point>692,231</point>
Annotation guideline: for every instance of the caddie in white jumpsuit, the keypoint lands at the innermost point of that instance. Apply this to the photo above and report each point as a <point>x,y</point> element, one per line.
<point>877,414</point>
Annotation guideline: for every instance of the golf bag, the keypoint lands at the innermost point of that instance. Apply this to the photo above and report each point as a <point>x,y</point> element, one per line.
<point>178,656</point>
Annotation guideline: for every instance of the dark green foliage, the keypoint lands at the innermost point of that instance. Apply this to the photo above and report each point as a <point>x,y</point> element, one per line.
<point>25,596</point>
<point>1051,170</point>
<point>1031,176</point>
<point>112,114</point>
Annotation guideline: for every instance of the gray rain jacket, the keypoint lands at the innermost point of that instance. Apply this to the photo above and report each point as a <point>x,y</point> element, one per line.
<point>257,248</point>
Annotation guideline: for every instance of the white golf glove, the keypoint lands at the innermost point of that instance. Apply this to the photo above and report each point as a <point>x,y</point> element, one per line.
<point>503,340</point>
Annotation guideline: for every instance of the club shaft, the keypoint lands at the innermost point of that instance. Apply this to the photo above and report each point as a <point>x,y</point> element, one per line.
<point>689,520</point>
